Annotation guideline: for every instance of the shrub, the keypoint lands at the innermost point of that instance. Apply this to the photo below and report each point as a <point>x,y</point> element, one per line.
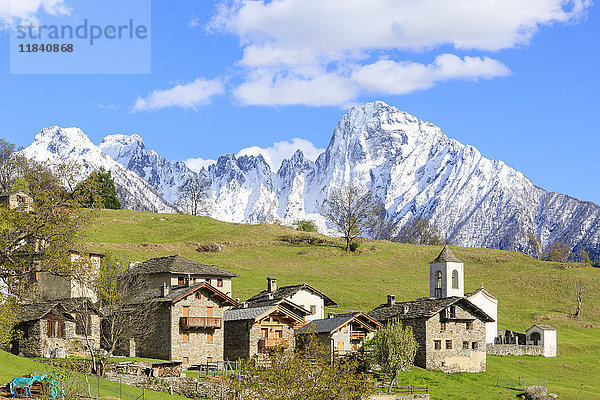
<point>306,225</point>
<point>354,246</point>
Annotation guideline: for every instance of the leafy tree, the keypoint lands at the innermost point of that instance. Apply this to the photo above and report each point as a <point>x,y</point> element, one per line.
<point>352,210</point>
<point>534,243</point>
<point>306,374</point>
<point>306,225</point>
<point>98,190</point>
<point>38,237</point>
<point>420,231</point>
<point>557,251</point>
<point>193,195</point>
<point>393,348</point>
<point>583,257</point>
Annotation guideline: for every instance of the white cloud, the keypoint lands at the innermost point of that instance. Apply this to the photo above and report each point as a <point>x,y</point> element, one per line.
<point>274,155</point>
<point>194,21</point>
<point>390,77</point>
<point>196,164</point>
<point>328,52</point>
<point>16,11</point>
<point>190,95</point>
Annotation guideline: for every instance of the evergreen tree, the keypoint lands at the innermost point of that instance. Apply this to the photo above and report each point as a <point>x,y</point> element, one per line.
<point>99,190</point>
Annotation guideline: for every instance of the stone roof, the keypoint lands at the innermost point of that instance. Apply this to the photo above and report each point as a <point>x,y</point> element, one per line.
<point>481,289</point>
<point>287,291</point>
<point>176,293</point>
<point>425,307</point>
<point>543,327</point>
<point>446,255</point>
<point>177,264</point>
<point>325,325</point>
<point>255,310</point>
<point>36,311</point>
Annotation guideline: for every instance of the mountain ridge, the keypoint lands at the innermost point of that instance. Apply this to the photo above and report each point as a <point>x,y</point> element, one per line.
<point>414,169</point>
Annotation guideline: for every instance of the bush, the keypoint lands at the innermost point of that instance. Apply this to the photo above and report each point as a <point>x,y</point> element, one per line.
<point>306,225</point>
<point>303,239</point>
<point>354,246</point>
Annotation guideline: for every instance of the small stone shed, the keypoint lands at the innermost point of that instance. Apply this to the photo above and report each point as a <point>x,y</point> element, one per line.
<point>543,335</point>
<point>47,326</point>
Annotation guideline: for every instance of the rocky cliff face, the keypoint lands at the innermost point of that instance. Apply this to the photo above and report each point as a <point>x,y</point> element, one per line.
<point>409,164</point>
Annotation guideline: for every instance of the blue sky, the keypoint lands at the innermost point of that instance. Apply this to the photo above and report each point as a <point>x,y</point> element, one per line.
<point>519,82</point>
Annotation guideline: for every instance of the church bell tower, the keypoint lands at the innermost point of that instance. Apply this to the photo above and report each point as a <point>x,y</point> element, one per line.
<point>446,275</point>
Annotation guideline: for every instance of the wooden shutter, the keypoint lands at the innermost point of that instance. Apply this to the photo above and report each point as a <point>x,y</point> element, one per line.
<point>186,311</point>
<point>49,332</point>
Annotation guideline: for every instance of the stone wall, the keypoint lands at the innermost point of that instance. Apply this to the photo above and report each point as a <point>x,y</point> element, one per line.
<point>514,350</point>
<point>237,339</point>
<point>157,344</point>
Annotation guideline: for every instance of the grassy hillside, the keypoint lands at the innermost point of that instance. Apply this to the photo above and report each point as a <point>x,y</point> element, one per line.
<point>529,291</point>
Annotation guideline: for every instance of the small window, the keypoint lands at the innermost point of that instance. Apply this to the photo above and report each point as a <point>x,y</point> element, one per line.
<point>341,346</point>
<point>83,324</point>
<point>219,282</point>
<point>180,280</point>
<point>209,338</point>
<point>470,325</point>
<point>448,344</point>
<point>452,311</point>
<point>198,295</point>
<point>185,338</point>
<point>465,345</point>
<point>56,329</point>
<point>475,345</point>
<point>208,359</point>
<point>207,280</point>
<point>209,311</point>
<point>186,360</point>
<point>278,334</point>
<point>313,309</point>
<point>186,311</point>
<point>264,332</point>
<point>439,279</point>
<point>442,326</point>
<point>437,344</point>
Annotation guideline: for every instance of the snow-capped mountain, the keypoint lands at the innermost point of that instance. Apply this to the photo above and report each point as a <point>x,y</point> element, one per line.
<point>55,144</point>
<point>409,164</point>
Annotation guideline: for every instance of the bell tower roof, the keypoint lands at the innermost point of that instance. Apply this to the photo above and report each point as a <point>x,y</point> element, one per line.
<point>446,255</point>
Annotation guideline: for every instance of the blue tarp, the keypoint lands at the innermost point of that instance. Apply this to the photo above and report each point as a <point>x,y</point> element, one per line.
<point>54,388</point>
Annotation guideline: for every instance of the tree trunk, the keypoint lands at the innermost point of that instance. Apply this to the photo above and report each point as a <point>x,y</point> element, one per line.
<point>348,245</point>
<point>576,315</point>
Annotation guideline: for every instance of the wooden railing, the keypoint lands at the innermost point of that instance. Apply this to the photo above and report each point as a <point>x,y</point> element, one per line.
<point>270,343</point>
<point>200,322</point>
<point>357,335</point>
<point>411,389</point>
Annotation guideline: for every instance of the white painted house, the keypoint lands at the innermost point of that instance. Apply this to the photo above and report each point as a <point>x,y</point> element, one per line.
<point>447,279</point>
<point>545,336</point>
<point>302,295</point>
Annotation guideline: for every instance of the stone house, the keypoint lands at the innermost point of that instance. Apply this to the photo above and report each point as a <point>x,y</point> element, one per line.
<point>50,286</point>
<point>16,199</point>
<point>261,326</point>
<point>70,324</point>
<point>176,270</point>
<point>187,323</point>
<point>340,334</point>
<point>450,331</point>
<point>303,295</point>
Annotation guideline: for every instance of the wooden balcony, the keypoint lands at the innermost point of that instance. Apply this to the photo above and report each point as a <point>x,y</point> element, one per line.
<point>273,343</point>
<point>358,335</point>
<point>200,322</point>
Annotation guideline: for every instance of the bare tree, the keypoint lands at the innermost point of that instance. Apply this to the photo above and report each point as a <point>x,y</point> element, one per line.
<point>193,195</point>
<point>580,291</point>
<point>557,251</point>
<point>420,231</point>
<point>125,317</point>
<point>352,210</point>
<point>534,243</point>
<point>384,227</point>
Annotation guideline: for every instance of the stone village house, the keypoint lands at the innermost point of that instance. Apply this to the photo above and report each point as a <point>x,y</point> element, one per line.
<point>340,334</point>
<point>66,324</point>
<point>258,327</point>
<point>188,320</point>
<point>450,329</point>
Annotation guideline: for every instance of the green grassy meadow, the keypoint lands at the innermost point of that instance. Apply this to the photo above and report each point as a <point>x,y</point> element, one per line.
<point>529,291</point>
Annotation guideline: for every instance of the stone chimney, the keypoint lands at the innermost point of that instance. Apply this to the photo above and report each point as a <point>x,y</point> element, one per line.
<point>164,290</point>
<point>391,300</point>
<point>271,285</point>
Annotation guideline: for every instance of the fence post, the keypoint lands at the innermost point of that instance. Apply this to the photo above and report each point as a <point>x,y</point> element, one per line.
<point>120,391</point>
